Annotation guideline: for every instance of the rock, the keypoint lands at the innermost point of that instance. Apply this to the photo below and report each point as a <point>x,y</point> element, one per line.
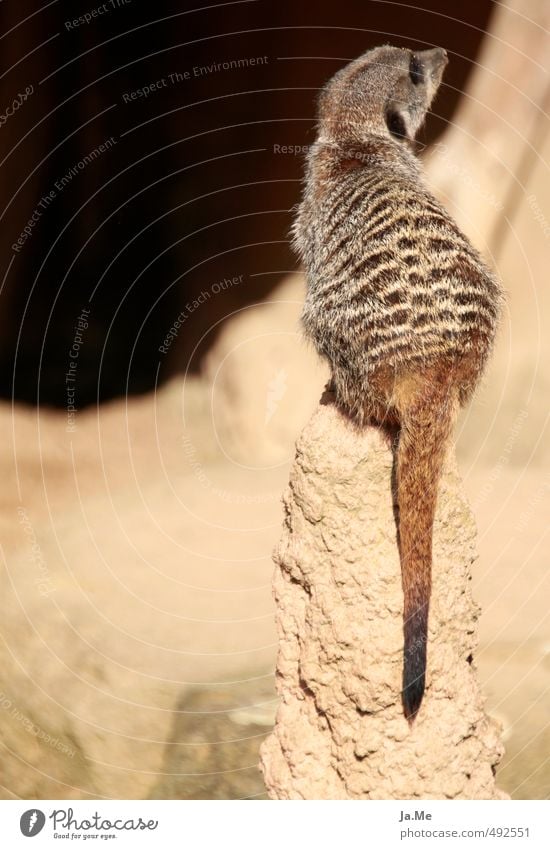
<point>340,732</point>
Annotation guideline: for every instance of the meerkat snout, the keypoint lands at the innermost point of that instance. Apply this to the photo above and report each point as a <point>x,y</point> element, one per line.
<point>430,62</point>
<point>435,59</point>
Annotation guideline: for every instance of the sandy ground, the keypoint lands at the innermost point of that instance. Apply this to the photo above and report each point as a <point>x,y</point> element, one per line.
<point>512,584</point>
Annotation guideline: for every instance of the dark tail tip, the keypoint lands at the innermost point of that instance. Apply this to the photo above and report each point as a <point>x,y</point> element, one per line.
<point>414,662</point>
<point>413,693</point>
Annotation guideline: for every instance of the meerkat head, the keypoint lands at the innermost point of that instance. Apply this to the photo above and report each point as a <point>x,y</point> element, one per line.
<point>386,91</point>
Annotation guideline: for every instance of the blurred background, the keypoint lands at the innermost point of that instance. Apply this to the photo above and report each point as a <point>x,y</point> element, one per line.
<point>153,378</point>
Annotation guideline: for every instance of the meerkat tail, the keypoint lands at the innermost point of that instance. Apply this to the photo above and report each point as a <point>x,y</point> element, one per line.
<point>425,430</point>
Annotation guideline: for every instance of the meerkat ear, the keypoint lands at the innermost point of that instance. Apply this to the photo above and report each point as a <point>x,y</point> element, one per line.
<point>395,122</point>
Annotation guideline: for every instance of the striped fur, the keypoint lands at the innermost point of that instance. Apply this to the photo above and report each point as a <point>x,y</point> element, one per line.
<point>398,301</point>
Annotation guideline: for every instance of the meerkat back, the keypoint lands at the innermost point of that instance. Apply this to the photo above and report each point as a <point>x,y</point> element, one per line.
<point>398,301</point>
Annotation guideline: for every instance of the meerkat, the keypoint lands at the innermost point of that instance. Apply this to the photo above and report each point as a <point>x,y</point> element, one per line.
<point>398,301</point>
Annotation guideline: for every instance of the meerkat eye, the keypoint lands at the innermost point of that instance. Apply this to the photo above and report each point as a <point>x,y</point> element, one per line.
<point>415,71</point>
<point>396,125</point>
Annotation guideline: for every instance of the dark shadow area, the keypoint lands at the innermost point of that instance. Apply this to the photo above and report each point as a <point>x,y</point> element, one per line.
<point>148,165</point>
<point>218,730</point>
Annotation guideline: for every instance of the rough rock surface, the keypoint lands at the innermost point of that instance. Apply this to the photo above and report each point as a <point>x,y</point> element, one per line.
<point>340,731</point>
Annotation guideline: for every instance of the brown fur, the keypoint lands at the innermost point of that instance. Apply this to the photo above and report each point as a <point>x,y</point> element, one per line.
<point>398,301</point>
